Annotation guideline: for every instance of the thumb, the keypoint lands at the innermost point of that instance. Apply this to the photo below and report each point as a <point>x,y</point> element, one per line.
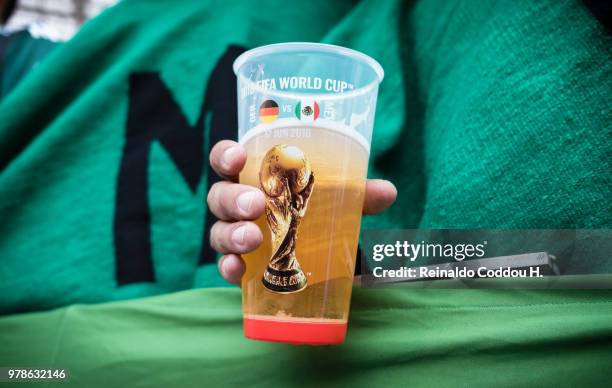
<point>380,194</point>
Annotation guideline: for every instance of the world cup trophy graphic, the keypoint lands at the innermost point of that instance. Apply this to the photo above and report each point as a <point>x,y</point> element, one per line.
<point>287,180</point>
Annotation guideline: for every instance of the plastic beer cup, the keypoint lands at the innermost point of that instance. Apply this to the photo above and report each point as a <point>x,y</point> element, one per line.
<point>305,117</point>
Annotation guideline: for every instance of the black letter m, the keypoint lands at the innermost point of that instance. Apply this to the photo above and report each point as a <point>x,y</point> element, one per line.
<point>154,115</point>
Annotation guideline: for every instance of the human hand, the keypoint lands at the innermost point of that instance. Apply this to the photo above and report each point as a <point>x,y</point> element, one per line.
<point>236,205</point>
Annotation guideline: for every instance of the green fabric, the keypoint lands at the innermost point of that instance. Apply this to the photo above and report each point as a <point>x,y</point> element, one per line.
<point>492,115</point>
<point>63,129</point>
<point>416,338</point>
<point>22,53</point>
<point>508,119</point>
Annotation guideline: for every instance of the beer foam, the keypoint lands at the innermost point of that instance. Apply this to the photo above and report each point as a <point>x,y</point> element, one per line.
<point>296,123</point>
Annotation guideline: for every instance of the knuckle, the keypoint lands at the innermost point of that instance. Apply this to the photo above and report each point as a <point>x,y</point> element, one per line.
<point>214,236</point>
<point>215,192</point>
<point>229,202</point>
<point>212,159</point>
<point>218,238</point>
<point>211,195</point>
<point>215,154</point>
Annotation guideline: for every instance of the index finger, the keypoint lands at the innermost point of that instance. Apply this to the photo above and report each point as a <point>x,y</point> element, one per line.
<point>227,158</point>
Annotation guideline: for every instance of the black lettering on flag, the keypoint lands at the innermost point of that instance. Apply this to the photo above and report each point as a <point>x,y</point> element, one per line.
<point>153,114</point>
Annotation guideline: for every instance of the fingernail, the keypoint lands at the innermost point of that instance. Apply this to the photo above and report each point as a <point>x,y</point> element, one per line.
<point>244,201</point>
<point>238,235</point>
<point>228,155</point>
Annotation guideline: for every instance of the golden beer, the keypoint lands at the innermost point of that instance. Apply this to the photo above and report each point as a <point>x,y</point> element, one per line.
<point>305,116</point>
<point>314,181</point>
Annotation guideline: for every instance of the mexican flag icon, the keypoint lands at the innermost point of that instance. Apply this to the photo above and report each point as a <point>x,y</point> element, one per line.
<point>307,110</point>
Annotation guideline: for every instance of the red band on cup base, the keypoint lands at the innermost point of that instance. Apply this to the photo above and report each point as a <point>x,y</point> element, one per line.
<point>297,333</point>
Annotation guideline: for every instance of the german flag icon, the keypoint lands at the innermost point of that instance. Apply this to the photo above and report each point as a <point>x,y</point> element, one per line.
<point>268,111</point>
